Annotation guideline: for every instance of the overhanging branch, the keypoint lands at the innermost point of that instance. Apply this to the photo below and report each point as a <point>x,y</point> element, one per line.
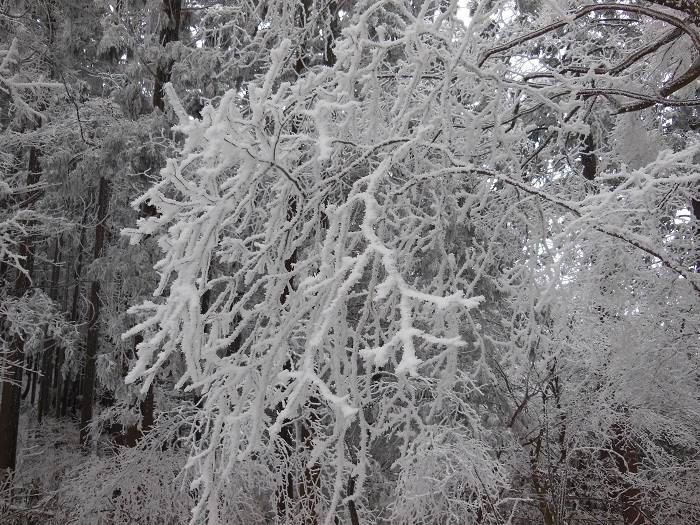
<point>637,242</point>
<point>681,26</point>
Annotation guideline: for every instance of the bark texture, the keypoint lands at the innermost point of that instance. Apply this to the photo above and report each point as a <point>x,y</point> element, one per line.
<point>12,382</point>
<point>92,342</point>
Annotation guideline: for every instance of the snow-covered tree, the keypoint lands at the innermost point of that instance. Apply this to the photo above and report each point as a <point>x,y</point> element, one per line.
<point>419,261</point>
<point>363,170</point>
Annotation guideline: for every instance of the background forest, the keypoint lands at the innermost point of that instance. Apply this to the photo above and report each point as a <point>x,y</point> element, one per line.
<point>349,261</point>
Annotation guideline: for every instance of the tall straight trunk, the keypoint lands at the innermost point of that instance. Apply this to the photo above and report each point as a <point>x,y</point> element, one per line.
<point>298,435</point>
<point>169,32</point>
<point>47,368</point>
<point>134,433</point>
<point>541,488</point>
<point>33,370</point>
<point>695,207</point>
<point>294,485</point>
<point>63,384</point>
<point>626,459</point>
<point>12,381</point>
<point>12,386</point>
<point>92,340</point>
<point>625,453</point>
<point>171,12</point>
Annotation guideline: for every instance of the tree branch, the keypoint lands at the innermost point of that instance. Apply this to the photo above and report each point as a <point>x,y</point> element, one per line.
<point>638,243</point>
<point>682,26</point>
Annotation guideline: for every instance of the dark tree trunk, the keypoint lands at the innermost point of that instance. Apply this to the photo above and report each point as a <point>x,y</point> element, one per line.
<point>626,460</point>
<point>350,492</point>
<point>171,15</point>
<point>12,382</point>
<point>33,376</point>
<point>47,368</point>
<point>92,341</point>
<point>59,380</point>
<point>9,410</point>
<point>541,488</point>
<point>588,157</point>
<point>29,367</point>
<point>46,379</point>
<point>333,33</point>
<point>695,207</point>
<point>62,383</point>
<point>293,485</point>
<point>134,433</point>
<point>302,484</point>
<point>169,32</point>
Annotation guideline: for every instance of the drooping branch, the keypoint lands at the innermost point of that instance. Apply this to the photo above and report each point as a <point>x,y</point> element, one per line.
<point>681,27</point>
<point>689,76</point>
<point>610,231</point>
<point>689,7</point>
<point>628,61</point>
<point>572,208</point>
<point>583,11</point>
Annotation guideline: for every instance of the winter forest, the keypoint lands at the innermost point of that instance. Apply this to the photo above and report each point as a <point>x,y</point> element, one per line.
<point>319,262</point>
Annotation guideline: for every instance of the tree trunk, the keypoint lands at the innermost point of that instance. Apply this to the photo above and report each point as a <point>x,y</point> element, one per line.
<point>92,341</point>
<point>12,384</point>
<point>171,11</point>
<point>169,32</point>
<point>299,434</point>
<point>625,454</point>
<point>134,433</point>
<point>541,489</point>
<point>63,384</point>
<point>294,485</point>
<point>695,208</point>
<point>626,460</point>
<point>33,369</point>
<point>47,368</point>
<point>12,381</point>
